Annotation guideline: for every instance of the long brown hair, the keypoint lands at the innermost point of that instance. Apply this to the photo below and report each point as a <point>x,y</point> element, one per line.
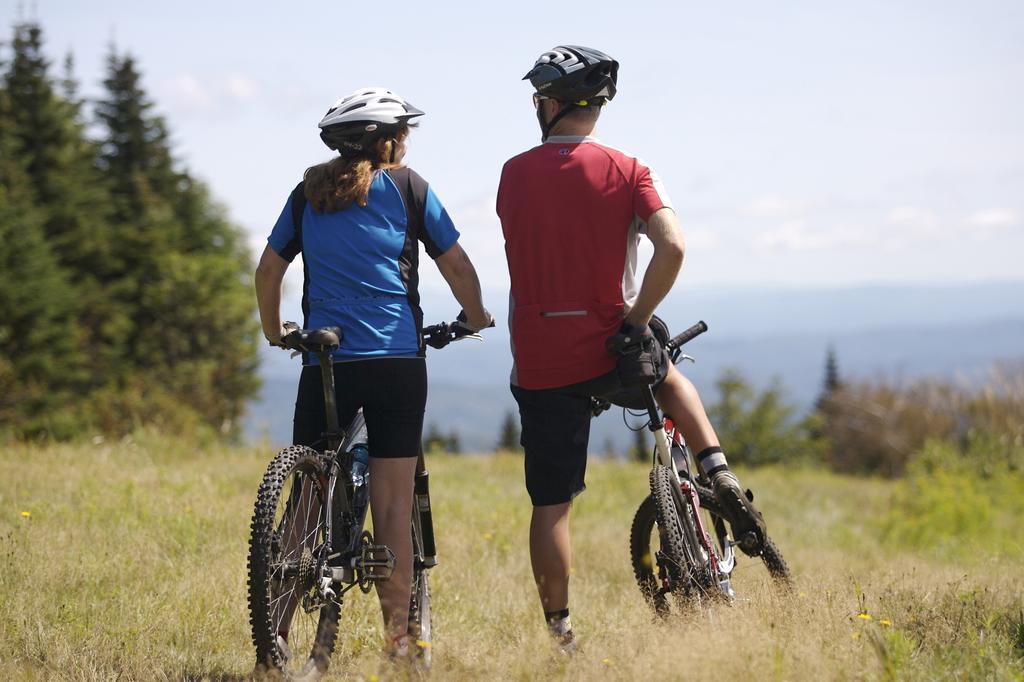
<point>334,185</point>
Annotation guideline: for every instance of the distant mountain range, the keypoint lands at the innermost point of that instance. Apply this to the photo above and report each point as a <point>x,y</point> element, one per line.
<point>895,332</point>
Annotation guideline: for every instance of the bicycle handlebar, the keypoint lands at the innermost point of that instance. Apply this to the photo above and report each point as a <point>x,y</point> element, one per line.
<point>686,336</point>
<point>440,335</point>
<point>327,339</point>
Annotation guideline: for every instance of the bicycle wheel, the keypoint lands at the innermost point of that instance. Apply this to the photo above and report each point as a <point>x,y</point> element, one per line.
<point>681,558</point>
<point>420,624</point>
<point>293,629</point>
<point>643,558</point>
<point>770,554</point>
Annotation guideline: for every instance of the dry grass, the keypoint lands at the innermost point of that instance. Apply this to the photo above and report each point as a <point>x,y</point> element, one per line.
<point>131,564</point>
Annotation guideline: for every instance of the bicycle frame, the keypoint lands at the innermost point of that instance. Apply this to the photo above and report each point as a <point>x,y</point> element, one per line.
<point>721,566</point>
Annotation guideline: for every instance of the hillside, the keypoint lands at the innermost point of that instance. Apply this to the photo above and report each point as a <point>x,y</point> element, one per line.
<point>131,563</point>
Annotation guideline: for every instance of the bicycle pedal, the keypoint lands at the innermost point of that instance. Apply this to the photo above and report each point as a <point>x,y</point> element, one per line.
<point>376,563</point>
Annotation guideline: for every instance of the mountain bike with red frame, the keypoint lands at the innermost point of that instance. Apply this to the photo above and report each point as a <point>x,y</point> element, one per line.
<point>680,542</point>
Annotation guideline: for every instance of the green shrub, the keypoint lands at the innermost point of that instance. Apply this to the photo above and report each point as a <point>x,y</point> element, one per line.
<point>961,502</point>
<point>759,428</point>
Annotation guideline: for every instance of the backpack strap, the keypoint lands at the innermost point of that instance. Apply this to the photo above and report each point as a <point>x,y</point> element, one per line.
<point>298,208</point>
<point>413,189</point>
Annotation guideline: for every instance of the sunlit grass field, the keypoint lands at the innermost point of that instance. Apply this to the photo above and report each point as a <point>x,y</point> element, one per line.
<point>127,561</point>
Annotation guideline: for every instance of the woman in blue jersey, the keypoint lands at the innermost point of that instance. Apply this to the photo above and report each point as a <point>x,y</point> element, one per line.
<point>358,221</point>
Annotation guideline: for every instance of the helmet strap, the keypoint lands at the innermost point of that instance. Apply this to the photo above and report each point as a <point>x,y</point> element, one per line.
<point>545,127</point>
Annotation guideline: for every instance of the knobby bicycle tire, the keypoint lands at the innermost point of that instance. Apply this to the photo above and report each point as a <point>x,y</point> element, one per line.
<point>770,554</point>
<point>679,550</point>
<point>292,464</point>
<point>642,557</point>
<point>420,620</point>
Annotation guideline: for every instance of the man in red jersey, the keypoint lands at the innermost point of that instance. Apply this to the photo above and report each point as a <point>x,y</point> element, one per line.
<point>572,211</point>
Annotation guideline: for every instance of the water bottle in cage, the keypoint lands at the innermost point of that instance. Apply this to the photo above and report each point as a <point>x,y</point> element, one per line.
<point>360,478</point>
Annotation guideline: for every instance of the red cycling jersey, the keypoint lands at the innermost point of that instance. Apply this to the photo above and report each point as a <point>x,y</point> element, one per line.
<point>571,211</point>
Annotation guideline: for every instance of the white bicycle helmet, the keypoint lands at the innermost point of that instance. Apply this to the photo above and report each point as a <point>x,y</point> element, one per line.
<point>356,121</point>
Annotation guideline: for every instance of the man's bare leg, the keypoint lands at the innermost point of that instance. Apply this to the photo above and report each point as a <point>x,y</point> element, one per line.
<point>551,554</point>
<point>551,557</point>
<point>678,397</point>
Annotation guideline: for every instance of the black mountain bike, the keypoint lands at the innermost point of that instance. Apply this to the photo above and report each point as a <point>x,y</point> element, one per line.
<point>308,545</point>
<point>694,557</point>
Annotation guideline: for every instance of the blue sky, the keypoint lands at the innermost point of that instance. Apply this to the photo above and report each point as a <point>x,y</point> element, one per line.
<point>804,144</point>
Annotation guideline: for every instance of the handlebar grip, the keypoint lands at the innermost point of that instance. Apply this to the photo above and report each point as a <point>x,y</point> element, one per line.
<point>688,335</point>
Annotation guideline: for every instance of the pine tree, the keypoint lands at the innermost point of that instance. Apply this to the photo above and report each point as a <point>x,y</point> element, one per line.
<point>47,135</point>
<point>641,450</point>
<point>185,264</point>
<point>831,382</point>
<point>37,324</point>
<point>508,439</point>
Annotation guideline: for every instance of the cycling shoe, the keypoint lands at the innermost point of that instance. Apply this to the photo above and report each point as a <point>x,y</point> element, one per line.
<point>747,523</point>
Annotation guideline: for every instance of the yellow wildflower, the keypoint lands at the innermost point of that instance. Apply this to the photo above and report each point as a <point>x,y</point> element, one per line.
<point>864,616</point>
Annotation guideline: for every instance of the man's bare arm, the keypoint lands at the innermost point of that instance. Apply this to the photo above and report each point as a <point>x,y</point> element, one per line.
<point>669,248</point>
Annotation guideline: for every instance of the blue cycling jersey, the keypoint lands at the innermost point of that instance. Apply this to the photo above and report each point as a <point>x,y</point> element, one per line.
<point>361,267</point>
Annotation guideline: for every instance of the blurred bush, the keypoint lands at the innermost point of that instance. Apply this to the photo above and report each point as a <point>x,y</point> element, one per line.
<point>878,428</point>
<point>758,428</point>
<point>961,501</point>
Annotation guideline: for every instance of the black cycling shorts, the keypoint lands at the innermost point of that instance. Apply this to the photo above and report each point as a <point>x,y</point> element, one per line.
<point>391,391</point>
<point>556,431</point>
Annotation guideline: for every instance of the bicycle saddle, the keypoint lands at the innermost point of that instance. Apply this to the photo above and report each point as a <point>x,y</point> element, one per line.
<point>314,340</point>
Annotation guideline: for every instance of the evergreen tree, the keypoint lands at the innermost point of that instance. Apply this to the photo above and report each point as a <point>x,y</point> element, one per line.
<point>124,285</point>
<point>37,321</point>
<point>641,451</point>
<point>185,264</point>
<point>433,439</point>
<point>759,428</point>
<point>47,135</point>
<point>831,382</point>
<point>508,439</point>
<point>453,444</point>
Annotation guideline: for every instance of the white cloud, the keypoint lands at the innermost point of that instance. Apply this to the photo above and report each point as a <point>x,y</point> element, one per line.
<point>240,87</point>
<point>186,91</point>
<point>993,219</point>
<point>209,92</point>
<point>914,221</point>
<point>797,235</point>
<point>774,207</point>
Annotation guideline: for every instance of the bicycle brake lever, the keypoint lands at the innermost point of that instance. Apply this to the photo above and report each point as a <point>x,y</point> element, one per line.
<point>684,356</point>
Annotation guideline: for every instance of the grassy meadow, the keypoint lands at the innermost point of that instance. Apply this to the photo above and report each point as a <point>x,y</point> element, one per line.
<point>127,560</point>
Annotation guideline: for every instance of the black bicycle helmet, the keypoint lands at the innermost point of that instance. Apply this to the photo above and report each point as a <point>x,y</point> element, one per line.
<point>570,73</point>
